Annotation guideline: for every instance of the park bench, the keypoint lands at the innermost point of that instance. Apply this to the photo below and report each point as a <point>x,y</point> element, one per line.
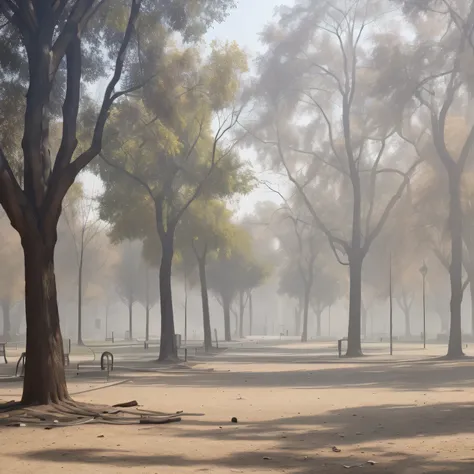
<point>3,351</point>
<point>20,366</point>
<point>339,345</point>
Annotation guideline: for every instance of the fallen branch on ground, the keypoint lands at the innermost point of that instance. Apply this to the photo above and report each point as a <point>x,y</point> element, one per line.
<point>70,413</point>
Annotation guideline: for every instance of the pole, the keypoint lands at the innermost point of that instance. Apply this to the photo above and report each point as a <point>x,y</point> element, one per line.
<point>391,308</point>
<point>185,307</point>
<point>107,317</point>
<point>329,321</point>
<point>424,312</point>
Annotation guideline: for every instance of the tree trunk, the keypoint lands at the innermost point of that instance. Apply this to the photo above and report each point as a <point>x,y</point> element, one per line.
<point>206,317</point>
<point>130,319</point>
<point>471,290</point>
<point>226,305</point>
<point>5,304</point>
<point>168,348</point>
<point>407,323</point>
<point>80,342</point>
<point>250,313</point>
<point>455,270</point>
<point>298,320</point>
<point>363,314</point>
<point>45,380</point>
<point>354,348</point>
<point>318,323</point>
<point>304,334</point>
<point>241,314</point>
<point>147,305</point>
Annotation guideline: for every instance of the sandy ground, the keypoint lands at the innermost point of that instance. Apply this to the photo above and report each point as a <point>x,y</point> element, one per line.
<point>409,414</point>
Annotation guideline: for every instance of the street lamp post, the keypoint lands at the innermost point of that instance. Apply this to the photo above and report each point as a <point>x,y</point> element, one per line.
<point>424,271</point>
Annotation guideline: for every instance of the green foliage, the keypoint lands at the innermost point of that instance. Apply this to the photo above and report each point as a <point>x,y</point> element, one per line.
<point>236,268</point>
<point>165,143</point>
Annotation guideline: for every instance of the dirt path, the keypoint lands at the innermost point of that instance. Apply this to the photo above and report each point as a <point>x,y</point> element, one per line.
<point>406,415</point>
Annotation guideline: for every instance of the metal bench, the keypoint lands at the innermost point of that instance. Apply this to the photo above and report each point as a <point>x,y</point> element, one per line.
<point>339,345</point>
<point>3,351</point>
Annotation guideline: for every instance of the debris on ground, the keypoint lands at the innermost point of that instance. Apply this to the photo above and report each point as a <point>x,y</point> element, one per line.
<point>234,420</point>
<point>336,449</point>
<point>370,463</point>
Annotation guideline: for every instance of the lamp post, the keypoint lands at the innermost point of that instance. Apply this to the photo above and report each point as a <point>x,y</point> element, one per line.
<point>424,271</point>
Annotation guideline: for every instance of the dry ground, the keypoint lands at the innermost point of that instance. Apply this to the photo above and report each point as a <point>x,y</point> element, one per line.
<point>294,403</point>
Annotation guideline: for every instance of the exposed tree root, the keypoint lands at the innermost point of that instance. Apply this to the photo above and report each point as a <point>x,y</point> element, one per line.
<point>71,413</point>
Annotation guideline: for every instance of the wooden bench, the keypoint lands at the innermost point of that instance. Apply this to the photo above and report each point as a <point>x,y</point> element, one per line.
<point>339,345</point>
<point>3,351</point>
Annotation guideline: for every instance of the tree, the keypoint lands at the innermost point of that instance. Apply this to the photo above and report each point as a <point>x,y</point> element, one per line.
<point>346,148</point>
<point>204,231</point>
<point>46,47</point>
<point>11,274</point>
<point>436,92</point>
<point>233,272</point>
<point>190,161</point>
<point>82,220</point>
<point>128,278</point>
<point>146,291</point>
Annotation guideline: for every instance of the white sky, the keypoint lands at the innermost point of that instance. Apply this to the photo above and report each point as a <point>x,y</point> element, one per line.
<point>243,25</point>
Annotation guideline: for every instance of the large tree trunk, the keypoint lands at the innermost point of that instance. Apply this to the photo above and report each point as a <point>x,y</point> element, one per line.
<point>241,314</point>
<point>45,380</point>
<point>206,317</point>
<point>6,320</point>
<point>168,348</point>
<point>354,348</point>
<point>226,302</point>
<point>250,313</point>
<point>455,270</point>
<point>80,342</point>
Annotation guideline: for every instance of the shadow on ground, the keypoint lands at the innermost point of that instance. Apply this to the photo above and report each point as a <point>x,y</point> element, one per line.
<point>303,444</point>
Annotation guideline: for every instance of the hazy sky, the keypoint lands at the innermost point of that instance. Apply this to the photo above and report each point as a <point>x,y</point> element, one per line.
<point>243,25</point>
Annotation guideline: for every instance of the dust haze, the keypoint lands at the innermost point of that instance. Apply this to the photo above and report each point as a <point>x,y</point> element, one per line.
<point>260,214</point>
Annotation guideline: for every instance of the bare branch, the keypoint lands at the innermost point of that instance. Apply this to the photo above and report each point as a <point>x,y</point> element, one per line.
<point>137,179</point>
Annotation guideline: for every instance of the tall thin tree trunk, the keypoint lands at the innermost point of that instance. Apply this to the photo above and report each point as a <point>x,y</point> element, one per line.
<point>471,290</point>
<point>363,314</point>
<point>206,317</point>
<point>147,305</point>
<point>5,304</point>
<point>304,334</point>
<point>455,271</point>
<point>407,323</point>
<point>318,322</point>
<point>130,319</point>
<point>226,302</point>
<point>45,380</point>
<point>168,348</point>
<point>298,311</point>
<point>354,348</point>
<point>250,313</point>
<point>80,342</point>
<point>241,314</point>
